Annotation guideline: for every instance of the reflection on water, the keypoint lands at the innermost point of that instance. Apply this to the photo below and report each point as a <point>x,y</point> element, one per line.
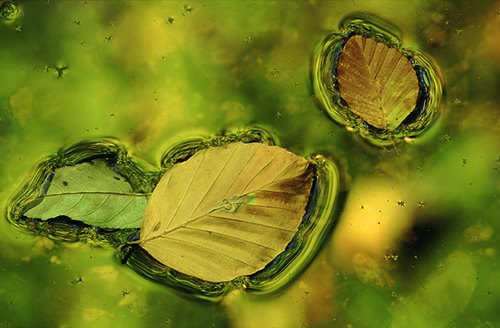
<point>153,74</point>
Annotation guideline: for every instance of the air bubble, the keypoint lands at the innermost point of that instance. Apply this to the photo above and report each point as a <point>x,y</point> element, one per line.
<point>9,11</point>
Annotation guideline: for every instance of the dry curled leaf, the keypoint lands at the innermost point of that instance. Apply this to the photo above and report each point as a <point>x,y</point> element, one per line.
<point>378,83</point>
<point>227,211</point>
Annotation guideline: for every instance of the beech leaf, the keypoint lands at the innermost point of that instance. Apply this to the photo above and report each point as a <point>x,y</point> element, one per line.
<point>378,83</point>
<point>93,193</point>
<point>227,211</point>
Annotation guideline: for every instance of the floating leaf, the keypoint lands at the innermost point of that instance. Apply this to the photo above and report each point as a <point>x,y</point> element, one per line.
<point>378,83</point>
<point>93,193</point>
<point>227,211</point>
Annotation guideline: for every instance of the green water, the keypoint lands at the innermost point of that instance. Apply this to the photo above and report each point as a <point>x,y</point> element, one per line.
<point>416,244</point>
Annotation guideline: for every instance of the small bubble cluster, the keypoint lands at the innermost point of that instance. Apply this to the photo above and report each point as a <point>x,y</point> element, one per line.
<point>9,11</point>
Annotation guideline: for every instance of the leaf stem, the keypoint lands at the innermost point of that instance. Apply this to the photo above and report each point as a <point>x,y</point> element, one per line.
<point>129,253</point>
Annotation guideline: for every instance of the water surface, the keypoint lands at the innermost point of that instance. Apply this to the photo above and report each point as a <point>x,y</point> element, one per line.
<point>417,242</point>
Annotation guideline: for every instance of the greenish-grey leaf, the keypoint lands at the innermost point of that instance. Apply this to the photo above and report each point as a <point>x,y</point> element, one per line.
<point>93,193</point>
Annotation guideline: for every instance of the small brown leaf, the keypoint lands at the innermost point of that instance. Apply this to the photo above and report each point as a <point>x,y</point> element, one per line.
<point>227,211</point>
<point>378,83</point>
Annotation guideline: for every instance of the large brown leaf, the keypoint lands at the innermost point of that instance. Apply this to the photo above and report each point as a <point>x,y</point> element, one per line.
<point>378,83</point>
<point>227,211</point>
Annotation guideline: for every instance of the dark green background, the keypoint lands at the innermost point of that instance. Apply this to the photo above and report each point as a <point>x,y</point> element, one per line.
<point>155,73</point>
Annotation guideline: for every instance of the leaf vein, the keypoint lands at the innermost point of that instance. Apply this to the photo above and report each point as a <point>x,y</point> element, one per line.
<point>193,176</point>
<point>210,249</point>
<point>214,181</point>
<point>259,172</point>
<point>231,237</point>
<point>250,222</point>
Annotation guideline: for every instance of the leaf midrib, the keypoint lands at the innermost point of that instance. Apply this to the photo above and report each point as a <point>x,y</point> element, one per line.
<point>373,79</point>
<point>222,205</point>
<point>117,193</point>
